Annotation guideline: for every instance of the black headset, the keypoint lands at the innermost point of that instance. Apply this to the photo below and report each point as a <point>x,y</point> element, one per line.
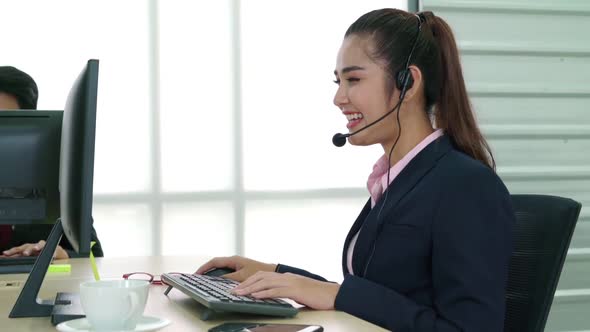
<point>404,79</point>
<point>403,82</point>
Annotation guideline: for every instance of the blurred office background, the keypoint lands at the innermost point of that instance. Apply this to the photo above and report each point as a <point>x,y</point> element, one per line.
<point>215,118</point>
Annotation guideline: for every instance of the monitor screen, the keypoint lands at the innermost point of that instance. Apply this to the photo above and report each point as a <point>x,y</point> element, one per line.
<point>29,163</point>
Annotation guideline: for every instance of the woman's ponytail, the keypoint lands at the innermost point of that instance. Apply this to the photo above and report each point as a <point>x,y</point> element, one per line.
<point>452,109</point>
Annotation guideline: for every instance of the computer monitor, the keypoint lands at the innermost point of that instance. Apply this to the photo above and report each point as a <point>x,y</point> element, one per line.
<point>75,185</point>
<point>29,166</point>
<point>76,171</point>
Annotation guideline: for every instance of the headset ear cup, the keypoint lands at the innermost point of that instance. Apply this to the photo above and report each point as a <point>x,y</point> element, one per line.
<point>401,77</point>
<point>410,80</point>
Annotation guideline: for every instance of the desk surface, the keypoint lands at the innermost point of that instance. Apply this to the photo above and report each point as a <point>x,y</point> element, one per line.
<point>182,311</point>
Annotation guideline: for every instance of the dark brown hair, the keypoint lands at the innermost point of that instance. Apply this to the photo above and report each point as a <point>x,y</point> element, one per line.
<point>393,32</point>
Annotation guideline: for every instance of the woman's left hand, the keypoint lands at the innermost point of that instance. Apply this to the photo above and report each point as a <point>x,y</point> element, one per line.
<point>310,292</point>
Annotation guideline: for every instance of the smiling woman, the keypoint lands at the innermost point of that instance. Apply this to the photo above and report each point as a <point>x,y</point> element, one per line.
<point>430,249</point>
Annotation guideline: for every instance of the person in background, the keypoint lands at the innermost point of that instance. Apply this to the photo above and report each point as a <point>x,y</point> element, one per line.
<point>19,91</point>
<point>431,247</point>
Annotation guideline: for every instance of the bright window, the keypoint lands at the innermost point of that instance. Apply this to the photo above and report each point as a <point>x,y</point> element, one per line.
<point>240,159</point>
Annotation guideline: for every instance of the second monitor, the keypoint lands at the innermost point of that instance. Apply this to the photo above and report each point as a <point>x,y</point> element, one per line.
<point>29,171</point>
<point>29,162</point>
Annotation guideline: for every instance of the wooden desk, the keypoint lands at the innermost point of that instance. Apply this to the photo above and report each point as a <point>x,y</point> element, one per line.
<point>182,311</point>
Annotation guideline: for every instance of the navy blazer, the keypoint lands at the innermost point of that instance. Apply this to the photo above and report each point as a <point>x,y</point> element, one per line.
<point>438,253</point>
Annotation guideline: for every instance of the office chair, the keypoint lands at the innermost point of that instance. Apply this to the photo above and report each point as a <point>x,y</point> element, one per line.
<point>542,235</point>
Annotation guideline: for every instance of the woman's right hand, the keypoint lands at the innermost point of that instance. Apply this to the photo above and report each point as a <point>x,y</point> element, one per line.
<point>244,267</point>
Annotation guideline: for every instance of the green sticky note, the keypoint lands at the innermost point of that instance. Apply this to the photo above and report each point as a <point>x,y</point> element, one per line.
<point>59,268</point>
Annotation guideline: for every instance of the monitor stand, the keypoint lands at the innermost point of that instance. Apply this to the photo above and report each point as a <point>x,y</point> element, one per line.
<point>65,307</point>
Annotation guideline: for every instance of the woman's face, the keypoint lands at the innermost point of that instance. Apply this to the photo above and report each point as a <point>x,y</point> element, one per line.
<point>362,95</point>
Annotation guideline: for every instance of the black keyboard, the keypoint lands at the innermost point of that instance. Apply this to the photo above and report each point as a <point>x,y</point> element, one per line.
<point>29,260</point>
<point>214,293</point>
<point>9,265</point>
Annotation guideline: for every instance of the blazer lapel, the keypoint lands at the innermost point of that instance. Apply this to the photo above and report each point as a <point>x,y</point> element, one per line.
<point>401,185</point>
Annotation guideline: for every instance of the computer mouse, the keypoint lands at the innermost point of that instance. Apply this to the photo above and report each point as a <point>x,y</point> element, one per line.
<point>218,272</point>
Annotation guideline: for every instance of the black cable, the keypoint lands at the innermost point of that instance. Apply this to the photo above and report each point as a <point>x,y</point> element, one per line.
<point>404,87</point>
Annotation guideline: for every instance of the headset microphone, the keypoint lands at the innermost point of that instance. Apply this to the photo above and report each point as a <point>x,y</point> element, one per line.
<point>339,139</point>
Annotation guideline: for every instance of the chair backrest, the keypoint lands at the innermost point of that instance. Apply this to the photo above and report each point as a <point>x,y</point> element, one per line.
<point>542,235</point>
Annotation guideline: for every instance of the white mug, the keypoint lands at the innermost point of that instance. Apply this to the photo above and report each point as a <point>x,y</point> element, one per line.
<point>114,304</point>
